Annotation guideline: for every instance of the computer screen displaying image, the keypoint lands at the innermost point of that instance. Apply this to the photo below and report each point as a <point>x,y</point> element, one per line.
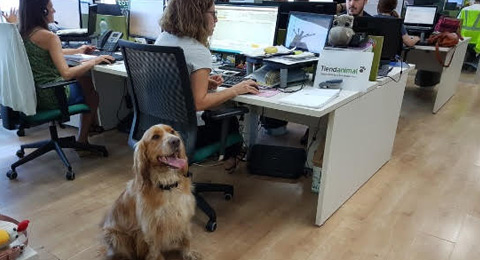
<point>144,19</point>
<point>420,15</point>
<point>307,31</point>
<point>241,28</point>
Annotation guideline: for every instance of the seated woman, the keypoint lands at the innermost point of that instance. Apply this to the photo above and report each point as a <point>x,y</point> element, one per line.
<point>386,8</point>
<point>188,24</point>
<point>45,54</point>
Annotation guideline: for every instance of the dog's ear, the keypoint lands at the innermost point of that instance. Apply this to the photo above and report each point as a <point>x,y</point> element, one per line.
<point>141,164</point>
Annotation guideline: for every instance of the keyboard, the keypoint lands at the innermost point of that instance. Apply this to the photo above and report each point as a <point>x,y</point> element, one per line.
<point>232,80</point>
<point>117,57</point>
<point>422,43</point>
<point>72,32</point>
<point>417,28</point>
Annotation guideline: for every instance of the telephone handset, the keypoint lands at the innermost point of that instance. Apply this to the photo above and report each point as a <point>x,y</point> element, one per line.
<point>108,41</point>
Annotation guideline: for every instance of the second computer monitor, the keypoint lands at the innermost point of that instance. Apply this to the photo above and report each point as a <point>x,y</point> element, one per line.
<point>67,13</point>
<point>307,31</point>
<point>241,28</point>
<point>144,19</point>
<point>389,28</point>
<point>420,15</point>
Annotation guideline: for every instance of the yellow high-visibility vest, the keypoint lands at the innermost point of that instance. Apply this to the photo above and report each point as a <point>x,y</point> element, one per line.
<point>471,26</point>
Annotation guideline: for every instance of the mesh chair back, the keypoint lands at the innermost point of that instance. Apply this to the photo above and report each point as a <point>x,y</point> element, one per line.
<point>160,85</point>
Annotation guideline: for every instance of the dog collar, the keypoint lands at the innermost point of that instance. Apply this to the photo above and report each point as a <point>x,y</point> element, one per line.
<point>168,187</point>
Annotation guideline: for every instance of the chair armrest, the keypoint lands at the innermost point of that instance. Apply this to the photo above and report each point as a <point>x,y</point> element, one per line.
<point>224,113</point>
<point>59,88</point>
<point>57,84</point>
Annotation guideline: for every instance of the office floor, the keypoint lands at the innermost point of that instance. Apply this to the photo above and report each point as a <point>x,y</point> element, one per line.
<point>423,204</point>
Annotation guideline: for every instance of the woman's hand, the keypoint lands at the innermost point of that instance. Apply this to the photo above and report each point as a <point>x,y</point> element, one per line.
<point>103,59</point>
<point>214,81</point>
<point>244,87</point>
<point>11,17</point>
<point>86,49</point>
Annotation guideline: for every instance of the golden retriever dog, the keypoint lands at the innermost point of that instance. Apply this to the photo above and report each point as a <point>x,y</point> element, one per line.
<point>153,214</point>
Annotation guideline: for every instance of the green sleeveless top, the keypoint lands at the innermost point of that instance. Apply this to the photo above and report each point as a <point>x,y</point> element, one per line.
<point>44,71</point>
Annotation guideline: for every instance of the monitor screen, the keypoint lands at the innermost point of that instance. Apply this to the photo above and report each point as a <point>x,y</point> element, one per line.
<point>307,31</point>
<point>371,7</point>
<point>308,7</point>
<point>67,13</point>
<point>389,28</point>
<point>241,28</point>
<point>421,15</point>
<point>458,2</point>
<point>144,18</point>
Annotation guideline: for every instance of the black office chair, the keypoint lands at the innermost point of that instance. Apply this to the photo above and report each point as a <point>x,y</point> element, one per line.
<point>470,63</point>
<point>161,94</point>
<point>16,120</point>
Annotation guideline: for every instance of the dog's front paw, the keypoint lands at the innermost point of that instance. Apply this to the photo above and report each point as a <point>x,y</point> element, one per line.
<point>192,255</point>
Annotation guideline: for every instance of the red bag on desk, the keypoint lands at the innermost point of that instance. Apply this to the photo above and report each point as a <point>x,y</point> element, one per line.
<point>448,24</point>
<point>444,39</point>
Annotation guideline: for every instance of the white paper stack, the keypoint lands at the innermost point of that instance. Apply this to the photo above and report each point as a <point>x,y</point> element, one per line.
<point>312,97</point>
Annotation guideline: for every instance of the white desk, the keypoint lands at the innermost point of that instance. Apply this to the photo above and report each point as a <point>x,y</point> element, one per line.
<point>111,85</point>
<point>424,59</point>
<point>360,133</point>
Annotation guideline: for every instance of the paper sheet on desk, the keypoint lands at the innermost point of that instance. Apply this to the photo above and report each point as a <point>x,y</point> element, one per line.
<point>312,97</point>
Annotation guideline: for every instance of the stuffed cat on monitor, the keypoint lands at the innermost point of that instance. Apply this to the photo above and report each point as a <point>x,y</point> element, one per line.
<point>341,32</point>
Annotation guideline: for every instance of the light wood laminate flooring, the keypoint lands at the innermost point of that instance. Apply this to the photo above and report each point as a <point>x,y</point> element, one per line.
<point>423,204</point>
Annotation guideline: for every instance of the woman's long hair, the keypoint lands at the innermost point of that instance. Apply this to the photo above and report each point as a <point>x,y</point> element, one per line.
<point>388,7</point>
<point>187,18</point>
<point>32,13</point>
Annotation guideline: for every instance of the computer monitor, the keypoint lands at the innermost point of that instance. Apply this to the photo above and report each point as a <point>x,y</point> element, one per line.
<point>307,31</point>
<point>67,13</point>
<point>459,2</point>
<point>438,3</point>
<point>243,27</point>
<point>389,28</point>
<point>109,9</point>
<point>425,2</point>
<point>308,7</point>
<point>420,15</point>
<point>144,18</point>
<point>371,7</point>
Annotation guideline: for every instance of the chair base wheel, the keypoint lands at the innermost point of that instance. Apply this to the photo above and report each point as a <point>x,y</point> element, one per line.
<point>70,175</point>
<point>227,196</point>
<point>21,132</point>
<point>20,153</point>
<point>211,226</point>
<point>12,175</point>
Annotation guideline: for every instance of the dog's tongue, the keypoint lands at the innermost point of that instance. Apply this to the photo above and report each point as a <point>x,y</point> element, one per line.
<point>174,162</point>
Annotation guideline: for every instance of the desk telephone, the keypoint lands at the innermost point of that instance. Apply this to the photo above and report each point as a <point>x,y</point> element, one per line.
<point>108,41</point>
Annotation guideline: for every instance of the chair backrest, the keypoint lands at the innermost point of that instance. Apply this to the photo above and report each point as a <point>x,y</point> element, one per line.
<point>160,85</point>
<point>17,87</point>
